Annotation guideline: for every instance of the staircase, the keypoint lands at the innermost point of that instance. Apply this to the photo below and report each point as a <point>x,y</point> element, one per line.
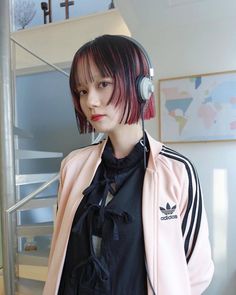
<point>34,221</point>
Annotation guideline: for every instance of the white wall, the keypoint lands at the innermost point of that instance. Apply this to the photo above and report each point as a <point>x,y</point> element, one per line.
<point>188,39</point>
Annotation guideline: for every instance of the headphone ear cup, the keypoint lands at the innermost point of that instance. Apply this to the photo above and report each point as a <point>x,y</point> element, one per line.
<point>145,88</point>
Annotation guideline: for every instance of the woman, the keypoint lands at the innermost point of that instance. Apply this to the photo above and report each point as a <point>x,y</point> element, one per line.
<point>130,215</point>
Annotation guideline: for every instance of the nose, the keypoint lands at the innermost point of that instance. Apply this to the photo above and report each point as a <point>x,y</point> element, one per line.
<point>93,98</point>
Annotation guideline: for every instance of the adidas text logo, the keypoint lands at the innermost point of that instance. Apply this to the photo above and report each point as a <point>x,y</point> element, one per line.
<point>168,211</point>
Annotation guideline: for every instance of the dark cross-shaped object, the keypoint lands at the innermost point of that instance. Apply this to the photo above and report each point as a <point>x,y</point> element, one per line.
<point>47,11</point>
<point>111,5</point>
<point>66,4</point>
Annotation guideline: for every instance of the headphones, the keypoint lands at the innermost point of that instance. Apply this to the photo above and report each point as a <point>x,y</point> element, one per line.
<point>144,84</point>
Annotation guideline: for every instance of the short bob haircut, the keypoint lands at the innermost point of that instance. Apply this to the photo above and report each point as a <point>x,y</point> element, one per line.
<point>122,59</point>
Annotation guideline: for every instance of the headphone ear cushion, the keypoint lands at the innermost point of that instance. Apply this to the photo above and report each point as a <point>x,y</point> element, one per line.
<point>145,88</point>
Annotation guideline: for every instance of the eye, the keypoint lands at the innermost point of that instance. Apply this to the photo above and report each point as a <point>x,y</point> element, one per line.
<point>104,84</point>
<point>82,92</point>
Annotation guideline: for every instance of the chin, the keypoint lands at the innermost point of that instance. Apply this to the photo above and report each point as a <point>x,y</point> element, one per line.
<point>104,128</point>
<point>100,129</point>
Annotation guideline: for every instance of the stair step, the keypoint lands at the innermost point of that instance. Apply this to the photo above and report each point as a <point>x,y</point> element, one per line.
<point>31,280</point>
<point>23,179</point>
<point>39,229</point>
<point>33,258</point>
<point>40,203</point>
<point>22,133</point>
<point>29,287</point>
<point>28,154</point>
<point>33,272</point>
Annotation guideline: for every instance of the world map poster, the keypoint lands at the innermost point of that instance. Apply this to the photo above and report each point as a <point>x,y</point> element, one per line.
<point>198,108</point>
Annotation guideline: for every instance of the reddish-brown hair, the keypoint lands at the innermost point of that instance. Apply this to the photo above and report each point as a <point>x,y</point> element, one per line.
<point>122,59</point>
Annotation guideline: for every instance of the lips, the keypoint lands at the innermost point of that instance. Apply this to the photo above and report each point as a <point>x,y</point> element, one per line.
<point>97,117</point>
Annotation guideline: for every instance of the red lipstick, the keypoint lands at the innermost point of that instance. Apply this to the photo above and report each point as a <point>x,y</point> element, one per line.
<point>96,117</point>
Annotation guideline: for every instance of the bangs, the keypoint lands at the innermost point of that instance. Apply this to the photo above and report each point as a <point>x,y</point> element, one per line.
<point>83,73</point>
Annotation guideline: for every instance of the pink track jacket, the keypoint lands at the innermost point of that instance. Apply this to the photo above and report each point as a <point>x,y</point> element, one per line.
<point>174,220</point>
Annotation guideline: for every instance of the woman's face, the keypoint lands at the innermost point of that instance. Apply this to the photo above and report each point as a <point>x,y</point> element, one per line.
<point>95,94</point>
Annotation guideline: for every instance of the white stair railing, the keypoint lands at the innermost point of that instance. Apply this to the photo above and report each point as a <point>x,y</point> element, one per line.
<point>29,197</point>
<point>40,58</point>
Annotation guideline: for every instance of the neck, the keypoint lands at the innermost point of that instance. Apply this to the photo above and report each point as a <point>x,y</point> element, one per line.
<point>124,139</point>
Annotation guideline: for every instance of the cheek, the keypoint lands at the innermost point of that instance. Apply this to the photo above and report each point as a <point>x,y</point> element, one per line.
<point>117,113</point>
<point>83,106</point>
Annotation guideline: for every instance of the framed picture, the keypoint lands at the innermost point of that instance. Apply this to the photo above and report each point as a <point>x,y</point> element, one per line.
<point>198,108</point>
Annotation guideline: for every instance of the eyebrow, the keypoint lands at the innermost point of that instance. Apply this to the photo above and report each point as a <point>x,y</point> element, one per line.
<point>79,84</point>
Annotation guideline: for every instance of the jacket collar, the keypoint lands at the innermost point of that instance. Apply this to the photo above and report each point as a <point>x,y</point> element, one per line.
<point>155,149</point>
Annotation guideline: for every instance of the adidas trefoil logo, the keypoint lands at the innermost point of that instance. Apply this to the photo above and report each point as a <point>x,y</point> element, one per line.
<point>168,211</point>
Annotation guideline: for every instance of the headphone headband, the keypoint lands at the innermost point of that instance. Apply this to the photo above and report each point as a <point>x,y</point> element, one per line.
<point>144,51</point>
<point>144,84</point>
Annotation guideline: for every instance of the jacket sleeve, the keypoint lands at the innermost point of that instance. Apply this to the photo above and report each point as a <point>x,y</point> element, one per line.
<point>195,233</point>
<point>54,237</point>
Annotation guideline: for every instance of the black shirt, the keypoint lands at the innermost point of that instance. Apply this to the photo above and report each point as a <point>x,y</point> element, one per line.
<point>105,254</point>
